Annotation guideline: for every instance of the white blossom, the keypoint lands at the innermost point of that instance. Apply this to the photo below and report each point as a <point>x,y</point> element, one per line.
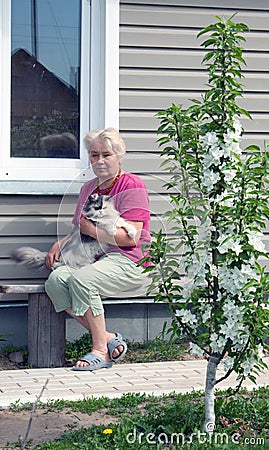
<point>237,128</point>
<point>210,178</point>
<point>229,174</point>
<point>187,291</point>
<point>237,282</point>
<point>209,139</point>
<point>234,279</point>
<point>260,352</point>
<point>206,311</point>
<point>228,362</point>
<point>231,140</point>
<point>217,342</point>
<point>247,365</point>
<point>186,316</point>
<point>236,247</point>
<point>255,239</point>
<point>213,270</point>
<point>195,350</point>
<point>229,243</point>
<point>250,361</point>
<point>204,232</point>
<point>194,265</point>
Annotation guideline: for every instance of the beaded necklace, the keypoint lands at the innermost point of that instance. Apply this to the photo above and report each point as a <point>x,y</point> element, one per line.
<point>107,190</point>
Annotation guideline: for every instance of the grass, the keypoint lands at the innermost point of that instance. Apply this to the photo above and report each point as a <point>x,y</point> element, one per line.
<point>158,349</point>
<point>172,421</point>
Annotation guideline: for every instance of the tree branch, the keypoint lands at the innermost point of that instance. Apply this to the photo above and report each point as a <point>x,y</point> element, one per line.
<point>23,441</point>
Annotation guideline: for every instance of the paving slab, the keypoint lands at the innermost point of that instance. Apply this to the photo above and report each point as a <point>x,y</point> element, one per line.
<point>156,378</point>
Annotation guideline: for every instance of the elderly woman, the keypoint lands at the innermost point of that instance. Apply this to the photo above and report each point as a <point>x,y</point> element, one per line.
<point>79,291</point>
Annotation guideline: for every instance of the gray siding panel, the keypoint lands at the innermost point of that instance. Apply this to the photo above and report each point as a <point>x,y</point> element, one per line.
<point>183,81</point>
<point>133,13</point>
<point>163,99</point>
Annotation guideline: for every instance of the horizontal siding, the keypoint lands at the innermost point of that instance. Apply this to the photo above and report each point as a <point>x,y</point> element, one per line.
<point>30,220</point>
<point>238,4</point>
<point>23,226</point>
<point>146,142</point>
<point>144,120</point>
<point>179,16</point>
<point>177,38</point>
<point>163,99</point>
<point>160,64</point>
<point>185,80</point>
<point>181,59</point>
<point>36,205</point>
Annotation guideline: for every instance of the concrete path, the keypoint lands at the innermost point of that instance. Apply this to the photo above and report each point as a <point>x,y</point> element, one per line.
<point>150,378</point>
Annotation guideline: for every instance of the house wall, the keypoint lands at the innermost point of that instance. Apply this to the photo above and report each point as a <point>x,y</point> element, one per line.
<point>160,63</point>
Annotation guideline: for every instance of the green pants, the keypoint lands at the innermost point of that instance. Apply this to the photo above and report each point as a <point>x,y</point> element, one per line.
<point>83,288</point>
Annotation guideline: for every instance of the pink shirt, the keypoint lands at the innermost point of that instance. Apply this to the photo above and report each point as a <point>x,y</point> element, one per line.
<point>131,200</point>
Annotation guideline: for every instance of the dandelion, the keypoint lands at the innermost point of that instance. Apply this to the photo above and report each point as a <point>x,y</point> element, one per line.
<point>107,431</point>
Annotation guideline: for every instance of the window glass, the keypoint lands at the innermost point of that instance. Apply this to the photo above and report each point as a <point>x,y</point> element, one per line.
<point>45,78</point>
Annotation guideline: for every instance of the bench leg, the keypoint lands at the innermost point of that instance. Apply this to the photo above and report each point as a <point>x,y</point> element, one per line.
<point>46,333</point>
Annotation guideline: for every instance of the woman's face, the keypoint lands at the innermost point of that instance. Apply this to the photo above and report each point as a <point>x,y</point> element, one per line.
<point>105,162</point>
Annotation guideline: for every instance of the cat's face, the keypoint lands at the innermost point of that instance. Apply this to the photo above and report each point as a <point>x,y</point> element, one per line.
<point>95,205</point>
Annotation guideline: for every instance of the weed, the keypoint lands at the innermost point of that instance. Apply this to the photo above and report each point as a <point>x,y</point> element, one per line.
<point>10,348</point>
<point>157,349</point>
<point>81,346</point>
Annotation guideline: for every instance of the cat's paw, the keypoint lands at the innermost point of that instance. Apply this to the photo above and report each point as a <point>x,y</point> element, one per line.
<point>131,231</point>
<point>111,230</point>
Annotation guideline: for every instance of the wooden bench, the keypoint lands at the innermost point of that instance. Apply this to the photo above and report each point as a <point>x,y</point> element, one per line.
<point>47,329</point>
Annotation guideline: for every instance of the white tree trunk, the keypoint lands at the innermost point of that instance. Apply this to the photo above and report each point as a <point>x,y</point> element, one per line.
<point>209,394</point>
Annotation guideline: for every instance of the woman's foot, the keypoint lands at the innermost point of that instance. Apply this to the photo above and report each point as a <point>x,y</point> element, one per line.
<point>103,355</point>
<point>92,362</point>
<point>117,347</point>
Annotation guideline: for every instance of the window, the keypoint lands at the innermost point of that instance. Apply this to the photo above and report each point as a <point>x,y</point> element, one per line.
<point>45,78</point>
<point>59,78</point>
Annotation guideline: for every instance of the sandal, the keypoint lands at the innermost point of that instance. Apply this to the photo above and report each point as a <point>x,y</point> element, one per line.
<point>94,363</point>
<point>113,344</point>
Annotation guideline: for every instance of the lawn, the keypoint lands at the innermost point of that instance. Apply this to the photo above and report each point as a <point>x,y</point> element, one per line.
<point>137,421</point>
<point>172,421</point>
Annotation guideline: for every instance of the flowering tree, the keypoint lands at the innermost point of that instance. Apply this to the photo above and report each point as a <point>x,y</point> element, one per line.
<point>220,206</point>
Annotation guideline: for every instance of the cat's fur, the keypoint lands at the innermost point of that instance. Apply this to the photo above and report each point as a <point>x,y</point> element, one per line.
<point>79,249</point>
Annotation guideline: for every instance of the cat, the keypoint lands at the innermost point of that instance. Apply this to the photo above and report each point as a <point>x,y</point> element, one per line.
<point>79,249</point>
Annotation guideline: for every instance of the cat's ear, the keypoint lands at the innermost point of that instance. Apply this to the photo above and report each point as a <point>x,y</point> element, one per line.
<point>107,198</point>
<point>93,197</point>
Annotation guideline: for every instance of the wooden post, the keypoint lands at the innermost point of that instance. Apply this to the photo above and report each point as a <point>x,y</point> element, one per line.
<point>46,332</point>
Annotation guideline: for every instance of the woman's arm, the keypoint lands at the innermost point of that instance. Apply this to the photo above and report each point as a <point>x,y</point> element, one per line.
<point>121,237</point>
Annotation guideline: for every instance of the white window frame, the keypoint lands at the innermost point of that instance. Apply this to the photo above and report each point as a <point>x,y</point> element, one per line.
<point>99,92</point>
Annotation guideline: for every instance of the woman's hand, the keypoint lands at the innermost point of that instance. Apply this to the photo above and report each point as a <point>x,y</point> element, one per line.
<point>53,255</point>
<point>54,252</point>
<point>87,227</point>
